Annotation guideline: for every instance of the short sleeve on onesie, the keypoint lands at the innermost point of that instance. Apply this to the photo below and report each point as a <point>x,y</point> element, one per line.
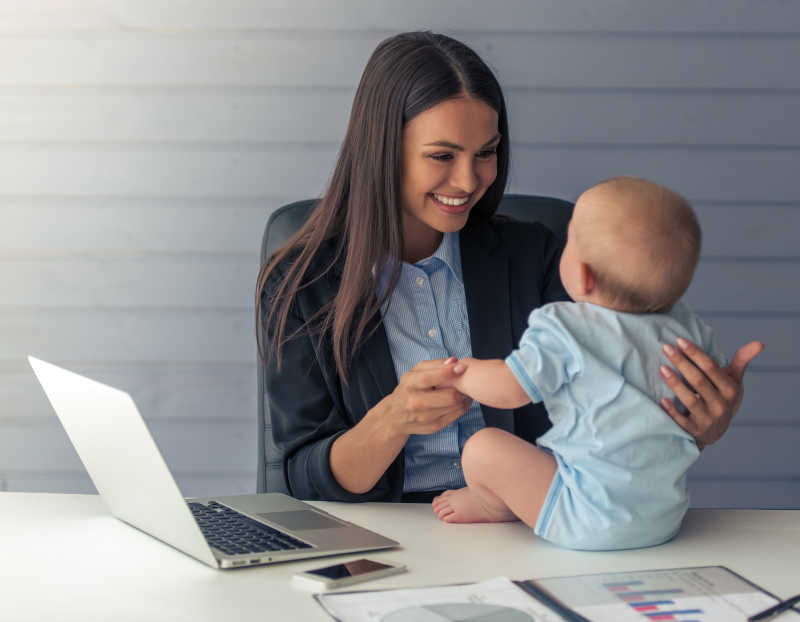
<point>547,357</point>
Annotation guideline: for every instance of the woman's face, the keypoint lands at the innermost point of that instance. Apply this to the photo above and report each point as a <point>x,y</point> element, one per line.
<point>449,160</point>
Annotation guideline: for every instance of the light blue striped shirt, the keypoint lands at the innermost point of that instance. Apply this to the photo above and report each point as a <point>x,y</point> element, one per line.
<point>426,318</point>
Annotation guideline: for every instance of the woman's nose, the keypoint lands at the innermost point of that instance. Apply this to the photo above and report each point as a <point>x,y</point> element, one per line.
<point>465,176</point>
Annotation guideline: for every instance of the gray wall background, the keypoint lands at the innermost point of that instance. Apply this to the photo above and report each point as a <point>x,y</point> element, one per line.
<point>143,145</point>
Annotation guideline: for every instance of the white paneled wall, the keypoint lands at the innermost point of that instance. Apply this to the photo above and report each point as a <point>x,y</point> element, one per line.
<point>143,145</point>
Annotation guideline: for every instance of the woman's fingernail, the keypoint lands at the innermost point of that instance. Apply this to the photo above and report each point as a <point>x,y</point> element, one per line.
<point>458,369</point>
<point>665,404</point>
<point>665,371</point>
<point>668,349</point>
<point>683,343</point>
<point>450,361</point>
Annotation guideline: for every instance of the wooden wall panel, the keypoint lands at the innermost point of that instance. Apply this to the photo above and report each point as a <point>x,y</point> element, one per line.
<point>700,16</point>
<point>312,114</point>
<point>335,59</point>
<point>702,174</point>
<point>45,227</point>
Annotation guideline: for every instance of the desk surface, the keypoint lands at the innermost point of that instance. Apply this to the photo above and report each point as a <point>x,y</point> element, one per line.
<point>65,558</point>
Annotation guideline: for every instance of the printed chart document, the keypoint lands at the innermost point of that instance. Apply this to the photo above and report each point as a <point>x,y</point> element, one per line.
<point>703,594</point>
<point>495,600</point>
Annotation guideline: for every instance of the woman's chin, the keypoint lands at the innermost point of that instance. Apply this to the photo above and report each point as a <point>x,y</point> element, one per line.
<point>449,223</point>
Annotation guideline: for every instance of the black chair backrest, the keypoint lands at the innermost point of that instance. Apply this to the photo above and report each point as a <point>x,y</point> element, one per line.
<point>286,220</point>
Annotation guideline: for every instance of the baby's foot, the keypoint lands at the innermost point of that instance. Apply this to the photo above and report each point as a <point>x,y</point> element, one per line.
<point>465,506</point>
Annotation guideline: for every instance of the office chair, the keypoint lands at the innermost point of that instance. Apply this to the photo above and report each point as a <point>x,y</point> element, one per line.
<point>283,222</point>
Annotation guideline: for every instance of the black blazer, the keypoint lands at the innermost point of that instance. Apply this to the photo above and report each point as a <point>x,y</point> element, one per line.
<point>509,268</point>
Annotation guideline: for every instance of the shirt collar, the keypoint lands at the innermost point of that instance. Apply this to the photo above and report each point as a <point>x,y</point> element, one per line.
<point>449,253</point>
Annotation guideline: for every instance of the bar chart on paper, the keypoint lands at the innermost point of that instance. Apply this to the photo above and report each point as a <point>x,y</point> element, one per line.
<point>707,594</point>
<point>655,604</point>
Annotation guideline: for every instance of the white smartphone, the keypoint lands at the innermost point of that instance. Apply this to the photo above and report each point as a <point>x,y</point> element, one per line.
<point>348,573</point>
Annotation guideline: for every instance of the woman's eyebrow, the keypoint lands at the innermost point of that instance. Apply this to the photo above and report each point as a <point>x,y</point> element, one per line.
<point>449,145</point>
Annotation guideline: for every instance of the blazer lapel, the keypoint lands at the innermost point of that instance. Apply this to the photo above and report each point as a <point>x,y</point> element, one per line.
<point>484,265</point>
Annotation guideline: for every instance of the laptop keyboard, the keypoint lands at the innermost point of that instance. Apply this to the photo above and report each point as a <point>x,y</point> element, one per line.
<point>234,533</point>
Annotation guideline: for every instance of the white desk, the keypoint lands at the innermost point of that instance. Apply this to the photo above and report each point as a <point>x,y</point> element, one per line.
<point>63,557</point>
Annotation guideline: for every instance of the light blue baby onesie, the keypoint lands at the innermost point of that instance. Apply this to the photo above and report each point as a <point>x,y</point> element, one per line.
<point>622,462</point>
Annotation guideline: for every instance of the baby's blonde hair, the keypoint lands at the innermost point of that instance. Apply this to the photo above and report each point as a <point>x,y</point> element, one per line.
<point>641,241</point>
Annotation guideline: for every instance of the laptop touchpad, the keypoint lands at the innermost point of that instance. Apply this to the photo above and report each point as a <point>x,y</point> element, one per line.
<point>298,520</point>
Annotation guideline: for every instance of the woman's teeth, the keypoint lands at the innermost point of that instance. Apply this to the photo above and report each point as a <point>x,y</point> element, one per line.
<point>451,201</point>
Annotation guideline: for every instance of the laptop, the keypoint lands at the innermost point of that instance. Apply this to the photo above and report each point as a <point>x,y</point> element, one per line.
<point>130,474</point>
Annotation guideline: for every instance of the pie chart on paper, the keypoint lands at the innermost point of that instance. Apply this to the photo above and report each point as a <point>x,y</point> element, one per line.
<point>457,612</point>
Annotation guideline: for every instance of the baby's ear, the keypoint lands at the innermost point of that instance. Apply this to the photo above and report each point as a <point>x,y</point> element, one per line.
<point>586,280</point>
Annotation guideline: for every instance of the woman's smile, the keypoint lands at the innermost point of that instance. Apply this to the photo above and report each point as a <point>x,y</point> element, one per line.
<point>451,204</point>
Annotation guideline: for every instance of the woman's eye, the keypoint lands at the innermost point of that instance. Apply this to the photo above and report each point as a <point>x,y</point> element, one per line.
<point>446,157</point>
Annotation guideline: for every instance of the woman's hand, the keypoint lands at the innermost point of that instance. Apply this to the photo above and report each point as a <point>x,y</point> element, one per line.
<point>713,395</point>
<point>420,404</point>
<point>424,400</point>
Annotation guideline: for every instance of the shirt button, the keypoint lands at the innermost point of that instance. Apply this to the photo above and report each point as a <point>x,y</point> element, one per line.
<point>457,465</point>
<point>420,281</point>
<point>432,333</point>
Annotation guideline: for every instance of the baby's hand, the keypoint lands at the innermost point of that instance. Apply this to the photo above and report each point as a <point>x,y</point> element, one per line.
<point>459,366</point>
<point>457,369</point>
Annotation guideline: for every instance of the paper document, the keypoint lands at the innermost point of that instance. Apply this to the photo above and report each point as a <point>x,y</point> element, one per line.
<point>703,594</point>
<point>495,600</point>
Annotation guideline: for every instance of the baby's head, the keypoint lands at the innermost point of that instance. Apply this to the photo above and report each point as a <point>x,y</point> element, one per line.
<point>632,245</point>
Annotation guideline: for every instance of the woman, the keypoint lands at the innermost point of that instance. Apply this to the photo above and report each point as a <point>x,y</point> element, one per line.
<point>402,265</point>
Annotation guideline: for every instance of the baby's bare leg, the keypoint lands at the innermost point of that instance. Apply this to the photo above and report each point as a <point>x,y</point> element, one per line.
<point>507,479</point>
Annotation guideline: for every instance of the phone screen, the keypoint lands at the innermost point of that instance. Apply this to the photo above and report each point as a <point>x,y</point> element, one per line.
<point>350,569</point>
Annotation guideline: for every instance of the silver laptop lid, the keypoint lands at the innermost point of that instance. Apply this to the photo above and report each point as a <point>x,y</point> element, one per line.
<point>122,459</point>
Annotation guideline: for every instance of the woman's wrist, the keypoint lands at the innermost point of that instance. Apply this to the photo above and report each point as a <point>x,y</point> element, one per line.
<point>360,456</point>
<point>386,425</point>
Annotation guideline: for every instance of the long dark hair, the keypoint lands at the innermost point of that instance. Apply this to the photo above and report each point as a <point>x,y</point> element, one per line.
<point>360,213</point>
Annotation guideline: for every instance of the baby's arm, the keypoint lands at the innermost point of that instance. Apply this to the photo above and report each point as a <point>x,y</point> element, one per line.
<point>490,382</point>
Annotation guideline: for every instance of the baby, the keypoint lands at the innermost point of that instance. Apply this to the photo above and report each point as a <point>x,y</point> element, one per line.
<point>611,472</point>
